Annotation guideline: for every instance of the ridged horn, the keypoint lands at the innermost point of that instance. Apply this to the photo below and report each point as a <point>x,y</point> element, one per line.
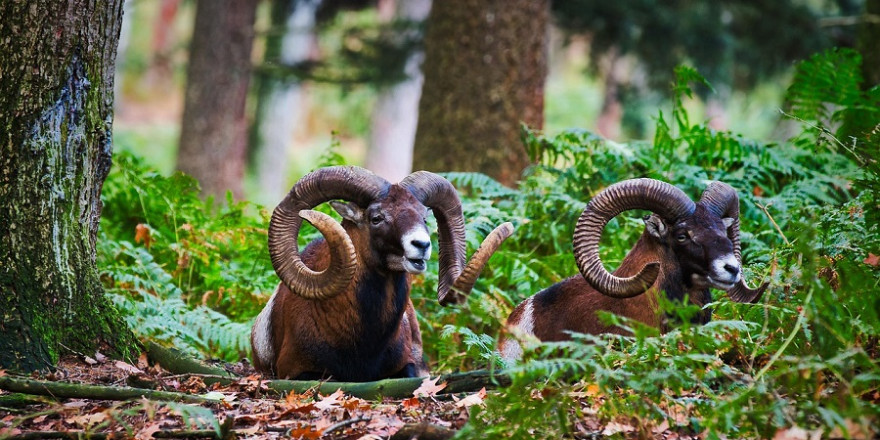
<point>661,198</point>
<point>721,199</point>
<point>349,183</point>
<point>457,275</point>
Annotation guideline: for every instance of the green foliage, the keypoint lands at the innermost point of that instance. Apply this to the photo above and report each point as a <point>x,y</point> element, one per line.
<point>187,272</point>
<point>807,356</point>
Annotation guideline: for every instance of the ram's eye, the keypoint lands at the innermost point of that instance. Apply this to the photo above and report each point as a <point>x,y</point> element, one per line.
<point>376,219</point>
<point>681,237</point>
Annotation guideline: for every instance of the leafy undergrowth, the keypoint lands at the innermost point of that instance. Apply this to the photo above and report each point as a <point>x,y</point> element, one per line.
<point>805,358</point>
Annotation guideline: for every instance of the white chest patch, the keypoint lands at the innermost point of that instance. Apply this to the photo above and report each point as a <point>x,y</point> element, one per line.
<point>511,350</point>
<point>261,333</point>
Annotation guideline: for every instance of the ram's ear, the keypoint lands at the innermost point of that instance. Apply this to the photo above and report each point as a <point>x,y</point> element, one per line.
<point>728,222</point>
<point>655,226</point>
<point>348,211</point>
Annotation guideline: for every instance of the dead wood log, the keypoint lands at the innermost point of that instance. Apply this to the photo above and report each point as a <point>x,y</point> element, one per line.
<point>97,392</point>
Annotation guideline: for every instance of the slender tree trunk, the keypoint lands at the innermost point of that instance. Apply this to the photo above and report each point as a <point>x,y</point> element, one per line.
<point>485,66</point>
<point>213,132</point>
<point>279,101</point>
<point>869,35</point>
<point>608,123</point>
<point>56,98</point>
<point>396,114</point>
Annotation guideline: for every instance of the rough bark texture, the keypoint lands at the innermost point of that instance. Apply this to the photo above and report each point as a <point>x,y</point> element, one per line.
<point>213,132</point>
<point>56,97</point>
<point>485,66</point>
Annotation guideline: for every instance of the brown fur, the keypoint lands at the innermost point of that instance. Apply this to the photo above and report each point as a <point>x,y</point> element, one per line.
<point>300,327</point>
<point>571,305</point>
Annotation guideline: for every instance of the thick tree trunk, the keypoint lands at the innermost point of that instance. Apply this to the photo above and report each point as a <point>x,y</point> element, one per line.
<point>608,123</point>
<point>213,131</point>
<point>56,97</point>
<point>485,66</point>
<point>279,100</point>
<point>396,113</point>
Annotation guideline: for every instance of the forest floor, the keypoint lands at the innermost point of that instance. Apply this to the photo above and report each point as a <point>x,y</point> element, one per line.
<point>245,408</point>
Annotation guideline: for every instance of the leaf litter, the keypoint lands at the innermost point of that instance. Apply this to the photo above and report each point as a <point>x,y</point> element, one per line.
<point>249,408</point>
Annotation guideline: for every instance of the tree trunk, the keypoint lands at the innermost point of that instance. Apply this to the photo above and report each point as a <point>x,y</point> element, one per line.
<point>485,66</point>
<point>56,97</point>
<point>279,100</point>
<point>396,114</point>
<point>213,131</point>
<point>869,35</point>
<point>608,123</point>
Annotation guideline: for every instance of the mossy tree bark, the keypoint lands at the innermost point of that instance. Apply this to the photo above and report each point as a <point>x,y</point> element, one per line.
<point>213,132</point>
<point>485,67</point>
<point>56,96</point>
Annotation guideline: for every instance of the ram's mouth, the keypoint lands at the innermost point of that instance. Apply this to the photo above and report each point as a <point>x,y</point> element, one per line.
<point>718,284</point>
<point>415,265</point>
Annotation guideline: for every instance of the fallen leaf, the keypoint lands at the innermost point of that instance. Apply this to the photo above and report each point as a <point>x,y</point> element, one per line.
<point>474,399</point>
<point>128,368</point>
<point>331,401</point>
<point>143,362</point>
<point>411,403</point>
<point>2,373</point>
<point>872,260</point>
<point>75,404</point>
<point>39,419</point>
<point>90,361</point>
<point>100,357</point>
<point>142,235</point>
<point>793,433</point>
<point>147,431</point>
<point>304,432</point>
<point>429,387</point>
<point>614,428</point>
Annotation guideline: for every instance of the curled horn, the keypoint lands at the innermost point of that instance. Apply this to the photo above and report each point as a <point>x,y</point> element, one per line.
<point>661,198</point>
<point>353,184</point>
<point>721,199</point>
<point>457,275</point>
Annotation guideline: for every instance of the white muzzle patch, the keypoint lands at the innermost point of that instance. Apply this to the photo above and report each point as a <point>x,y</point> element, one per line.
<point>725,272</point>
<point>416,250</point>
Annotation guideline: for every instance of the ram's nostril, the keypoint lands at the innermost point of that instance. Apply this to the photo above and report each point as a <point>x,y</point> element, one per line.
<point>731,268</point>
<point>419,244</point>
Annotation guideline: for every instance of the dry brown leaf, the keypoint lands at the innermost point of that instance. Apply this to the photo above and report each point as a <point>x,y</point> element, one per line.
<point>474,399</point>
<point>147,431</point>
<point>100,357</point>
<point>614,428</point>
<point>142,362</point>
<point>2,373</point>
<point>142,235</point>
<point>411,403</point>
<point>872,260</point>
<point>128,368</point>
<point>90,361</point>
<point>39,419</point>
<point>331,401</point>
<point>304,432</point>
<point>793,433</point>
<point>429,387</point>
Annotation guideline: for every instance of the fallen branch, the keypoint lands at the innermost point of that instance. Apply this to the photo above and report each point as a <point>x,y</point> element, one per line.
<point>423,431</point>
<point>97,392</point>
<point>466,382</point>
<point>179,363</point>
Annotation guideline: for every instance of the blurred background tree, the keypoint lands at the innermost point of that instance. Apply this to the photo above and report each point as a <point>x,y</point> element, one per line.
<point>608,68</point>
<point>485,67</point>
<point>213,129</point>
